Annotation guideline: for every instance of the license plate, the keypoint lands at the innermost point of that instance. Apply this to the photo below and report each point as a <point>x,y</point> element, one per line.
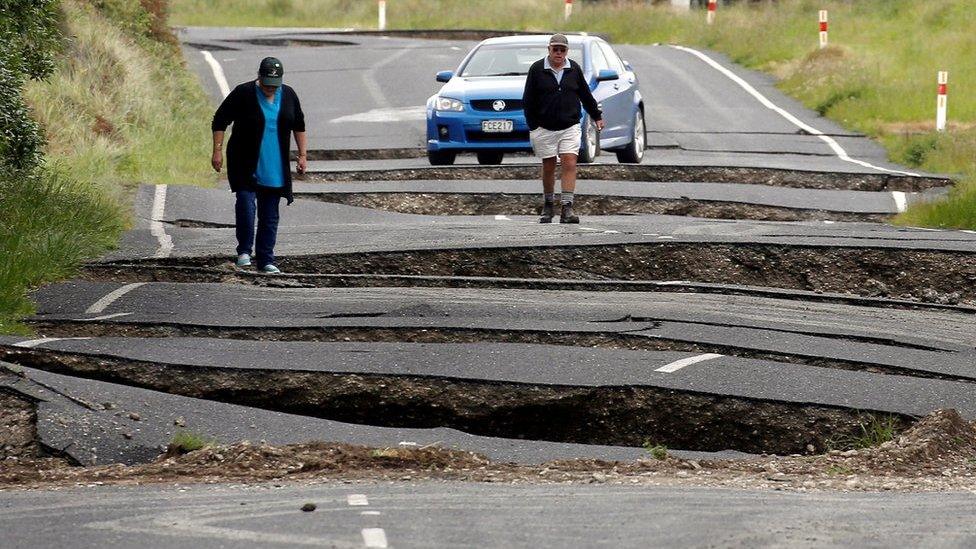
<point>496,126</point>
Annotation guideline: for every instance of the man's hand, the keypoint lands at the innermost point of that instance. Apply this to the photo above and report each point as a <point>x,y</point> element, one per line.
<point>600,124</point>
<point>301,164</point>
<point>217,161</point>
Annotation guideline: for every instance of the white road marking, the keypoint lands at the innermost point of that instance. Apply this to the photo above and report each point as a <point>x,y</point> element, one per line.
<point>374,537</point>
<point>665,237</point>
<point>156,223</point>
<point>611,232</point>
<point>679,364</point>
<point>502,218</point>
<point>901,200</point>
<point>968,231</point>
<point>829,222</point>
<point>834,146</point>
<point>393,114</point>
<point>103,317</point>
<point>371,82</point>
<point>112,297</point>
<point>370,513</point>
<point>218,73</point>
<point>357,499</point>
<point>589,229</point>
<point>31,343</point>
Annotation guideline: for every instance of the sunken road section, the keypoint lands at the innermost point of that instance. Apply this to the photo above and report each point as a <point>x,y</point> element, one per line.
<point>524,204</point>
<point>18,426</point>
<point>608,415</point>
<point>932,276</point>
<point>629,172</point>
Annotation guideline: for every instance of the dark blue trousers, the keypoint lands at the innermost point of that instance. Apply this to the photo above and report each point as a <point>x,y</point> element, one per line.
<point>264,203</point>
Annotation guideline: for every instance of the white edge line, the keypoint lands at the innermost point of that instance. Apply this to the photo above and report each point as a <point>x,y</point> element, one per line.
<point>357,499</point>
<point>838,150</point>
<point>103,317</point>
<point>31,343</point>
<point>901,200</point>
<point>218,73</point>
<point>156,223</point>
<point>374,537</point>
<point>111,297</point>
<point>679,364</point>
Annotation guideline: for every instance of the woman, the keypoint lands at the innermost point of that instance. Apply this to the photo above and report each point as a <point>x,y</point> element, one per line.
<point>264,113</point>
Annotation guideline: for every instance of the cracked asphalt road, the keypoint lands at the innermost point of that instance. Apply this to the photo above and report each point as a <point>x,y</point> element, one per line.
<point>753,339</point>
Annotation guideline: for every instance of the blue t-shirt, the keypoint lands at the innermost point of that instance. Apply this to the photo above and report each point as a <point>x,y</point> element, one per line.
<point>269,172</point>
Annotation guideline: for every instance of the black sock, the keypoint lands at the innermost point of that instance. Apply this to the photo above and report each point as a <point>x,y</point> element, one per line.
<point>549,198</point>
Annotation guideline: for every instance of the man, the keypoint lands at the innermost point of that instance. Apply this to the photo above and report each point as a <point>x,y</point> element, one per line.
<point>554,89</point>
<point>265,113</point>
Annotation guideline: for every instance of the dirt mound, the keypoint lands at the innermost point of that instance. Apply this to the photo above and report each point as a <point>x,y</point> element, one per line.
<point>939,440</point>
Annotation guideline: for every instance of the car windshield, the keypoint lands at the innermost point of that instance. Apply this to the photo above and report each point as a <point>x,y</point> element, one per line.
<point>508,60</point>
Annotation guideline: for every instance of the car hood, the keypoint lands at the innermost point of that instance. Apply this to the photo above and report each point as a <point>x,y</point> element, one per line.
<point>484,87</point>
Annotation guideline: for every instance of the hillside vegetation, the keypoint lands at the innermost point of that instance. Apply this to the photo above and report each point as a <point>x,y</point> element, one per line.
<point>95,102</point>
<point>878,76</point>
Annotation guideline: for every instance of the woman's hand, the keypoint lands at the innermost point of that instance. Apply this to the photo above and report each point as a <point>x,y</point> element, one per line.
<point>217,161</point>
<point>301,164</point>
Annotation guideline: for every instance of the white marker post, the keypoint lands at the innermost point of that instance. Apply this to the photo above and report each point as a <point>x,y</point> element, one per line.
<point>568,10</point>
<point>712,7</point>
<point>823,29</point>
<point>942,102</point>
<point>382,15</point>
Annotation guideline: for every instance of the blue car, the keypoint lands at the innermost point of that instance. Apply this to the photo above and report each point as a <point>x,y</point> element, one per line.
<point>479,108</point>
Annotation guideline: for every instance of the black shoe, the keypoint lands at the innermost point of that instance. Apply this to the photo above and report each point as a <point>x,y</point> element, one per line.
<point>567,215</point>
<point>547,213</point>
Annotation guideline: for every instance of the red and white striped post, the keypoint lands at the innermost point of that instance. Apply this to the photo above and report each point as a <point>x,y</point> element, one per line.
<point>712,6</point>
<point>381,24</point>
<point>823,29</point>
<point>942,103</point>
<point>568,10</point>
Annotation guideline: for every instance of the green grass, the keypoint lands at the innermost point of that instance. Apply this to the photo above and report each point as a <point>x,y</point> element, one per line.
<point>187,441</point>
<point>878,76</point>
<point>119,110</point>
<point>873,430</point>
<point>657,451</point>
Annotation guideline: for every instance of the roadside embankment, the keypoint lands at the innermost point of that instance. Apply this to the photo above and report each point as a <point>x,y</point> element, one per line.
<point>100,103</point>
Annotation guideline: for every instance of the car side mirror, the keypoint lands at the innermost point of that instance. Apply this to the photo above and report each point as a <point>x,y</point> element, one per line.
<point>627,66</point>
<point>444,76</point>
<point>607,74</point>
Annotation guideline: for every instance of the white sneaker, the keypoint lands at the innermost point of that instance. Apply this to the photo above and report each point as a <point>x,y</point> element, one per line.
<point>244,260</point>
<point>270,269</point>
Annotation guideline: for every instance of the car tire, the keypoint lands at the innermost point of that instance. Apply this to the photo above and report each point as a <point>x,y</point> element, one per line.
<point>590,146</point>
<point>441,158</point>
<point>490,157</point>
<point>634,152</point>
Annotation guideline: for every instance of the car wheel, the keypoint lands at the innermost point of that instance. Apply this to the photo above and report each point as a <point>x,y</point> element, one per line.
<point>634,152</point>
<point>590,148</point>
<point>441,158</point>
<point>490,157</point>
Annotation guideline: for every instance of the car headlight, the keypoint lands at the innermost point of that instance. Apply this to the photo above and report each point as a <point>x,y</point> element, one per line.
<point>448,104</point>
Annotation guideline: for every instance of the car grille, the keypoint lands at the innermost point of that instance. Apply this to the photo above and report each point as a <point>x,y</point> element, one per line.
<point>485,105</point>
<point>482,137</point>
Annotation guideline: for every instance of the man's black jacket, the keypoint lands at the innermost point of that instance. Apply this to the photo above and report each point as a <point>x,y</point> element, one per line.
<point>556,106</point>
<point>242,109</point>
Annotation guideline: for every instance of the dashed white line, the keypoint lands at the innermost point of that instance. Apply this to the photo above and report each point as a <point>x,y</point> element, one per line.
<point>834,146</point>
<point>156,223</point>
<point>357,499</point>
<point>31,343</point>
<point>374,537</point>
<point>218,73</point>
<point>370,513</point>
<point>901,200</point>
<point>502,218</point>
<point>103,317</point>
<point>679,364</point>
<point>112,297</point>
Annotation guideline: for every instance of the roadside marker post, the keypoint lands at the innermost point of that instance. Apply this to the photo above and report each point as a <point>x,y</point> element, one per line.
<point>382,15</point>
<point>712,7</point>
<point>823,29</point>
<point>942,102</point>
<point>568,10</point>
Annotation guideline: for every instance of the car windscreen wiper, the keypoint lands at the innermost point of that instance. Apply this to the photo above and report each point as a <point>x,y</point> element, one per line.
<point>507,74</point>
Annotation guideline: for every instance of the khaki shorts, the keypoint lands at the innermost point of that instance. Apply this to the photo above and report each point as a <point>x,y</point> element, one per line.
<point>548,143</point>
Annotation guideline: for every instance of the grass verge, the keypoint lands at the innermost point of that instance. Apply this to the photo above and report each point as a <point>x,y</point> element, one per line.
<point>878,76</point>
<point>115,113</point>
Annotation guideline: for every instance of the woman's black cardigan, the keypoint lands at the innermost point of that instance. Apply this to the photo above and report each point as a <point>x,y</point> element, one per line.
<point>242,109</point>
